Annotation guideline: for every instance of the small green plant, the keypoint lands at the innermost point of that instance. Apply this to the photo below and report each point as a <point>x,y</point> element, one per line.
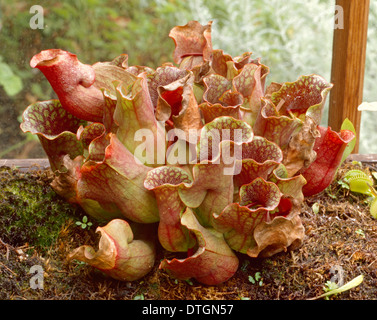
<point>139,297</point>
<point>189,282</point>
<point>84,223</point>
<point>343,184</point>
<point>330,194</point>
<point>315,207</point>
<point>360,232</point>
<point>78,264</point>
<point>257,279</point>
<point>331,288</point>
<point>358,181</point>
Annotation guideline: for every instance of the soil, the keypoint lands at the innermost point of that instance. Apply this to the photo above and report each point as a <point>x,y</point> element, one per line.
<point>340,242</point>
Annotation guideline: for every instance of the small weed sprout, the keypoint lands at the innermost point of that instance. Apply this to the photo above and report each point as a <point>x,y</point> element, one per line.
<point>315,208</point>
<point>330,286</point>
<point>189,282</point>
<point>139,297</point>
<point>257,279</point>
<point>84,223</point>
<point>360,232</point>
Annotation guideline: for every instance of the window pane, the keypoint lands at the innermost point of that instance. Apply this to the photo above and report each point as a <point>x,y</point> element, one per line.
<point>368,130</point>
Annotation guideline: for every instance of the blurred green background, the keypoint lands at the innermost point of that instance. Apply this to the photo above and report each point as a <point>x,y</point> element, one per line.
<point>292,38</point>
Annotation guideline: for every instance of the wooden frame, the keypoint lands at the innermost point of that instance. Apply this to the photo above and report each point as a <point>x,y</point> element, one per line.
<point>348,64</point>
<point>26,164</point>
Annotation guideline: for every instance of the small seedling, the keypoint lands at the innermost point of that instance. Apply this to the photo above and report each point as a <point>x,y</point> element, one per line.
<point>79,264</point>
<point>315,208</point>
<point>360,232</point>
<point>344,184</point>
<point>331,288</point>
<point>84,223</point>
<point>189,282</point>
<point>139,297</point>
<point>256,279</point>
<point>357,163</point>
<point>330,194</point>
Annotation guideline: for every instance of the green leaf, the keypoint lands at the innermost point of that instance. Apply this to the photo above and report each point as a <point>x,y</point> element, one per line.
<point>349,285</point>
<point>344,184</point>
<point>360,232</point>
<point>315,208</point>
<point>359,182</point>
<point>330,286</point>
<point>189,282</point>
<point>347,125</point>
<point>258,276</point>
<point>373,208</point>
<point>11,83</point>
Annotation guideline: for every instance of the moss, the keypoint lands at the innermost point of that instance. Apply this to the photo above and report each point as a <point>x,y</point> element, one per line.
<point>30,211</point>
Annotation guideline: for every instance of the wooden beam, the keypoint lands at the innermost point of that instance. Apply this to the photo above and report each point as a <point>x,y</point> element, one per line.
<point>348,63</point>
<point>26,164</point>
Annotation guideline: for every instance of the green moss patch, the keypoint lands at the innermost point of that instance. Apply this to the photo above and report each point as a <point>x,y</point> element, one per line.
<point>30,211</point>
